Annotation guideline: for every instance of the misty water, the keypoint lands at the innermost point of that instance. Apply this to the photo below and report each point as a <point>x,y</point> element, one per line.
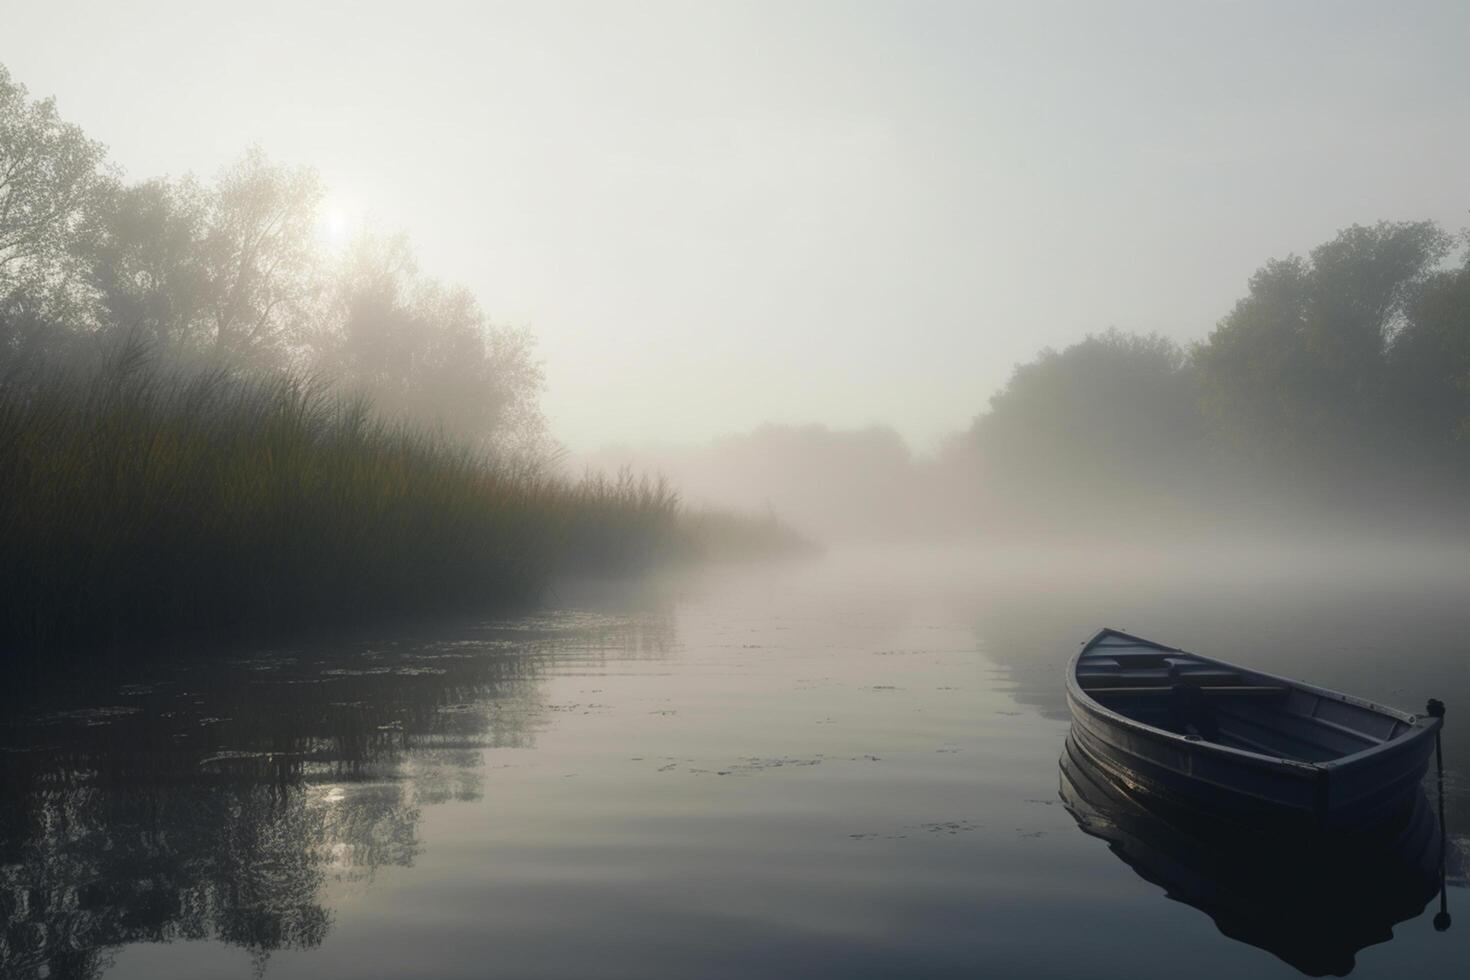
<point>843,767</point>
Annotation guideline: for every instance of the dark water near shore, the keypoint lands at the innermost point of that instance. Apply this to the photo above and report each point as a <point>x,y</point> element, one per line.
<point>843,768</point>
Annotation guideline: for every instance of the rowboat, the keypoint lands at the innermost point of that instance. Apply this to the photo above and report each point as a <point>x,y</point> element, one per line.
<point>1249,745</point>
<point>1314,908</point>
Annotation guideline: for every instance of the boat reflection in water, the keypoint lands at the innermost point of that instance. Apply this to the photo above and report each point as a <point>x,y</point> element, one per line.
<point>1312,904</point>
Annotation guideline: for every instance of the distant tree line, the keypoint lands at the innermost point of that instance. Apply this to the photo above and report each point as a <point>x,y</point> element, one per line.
<point>1334,396</point>
<point>234,271</point>
<point>1340,381</point>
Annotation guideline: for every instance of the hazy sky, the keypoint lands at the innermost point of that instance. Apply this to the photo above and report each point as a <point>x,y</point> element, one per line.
<point>714,215</point>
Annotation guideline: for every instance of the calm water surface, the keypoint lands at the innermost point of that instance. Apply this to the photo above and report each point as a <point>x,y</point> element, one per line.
<point>844,768</point>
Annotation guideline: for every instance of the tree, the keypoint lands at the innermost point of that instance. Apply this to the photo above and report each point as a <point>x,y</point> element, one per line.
<point>1429,368</point>
<point>143,248</point>
<point>1105,430</point>
<point>49,171</point>
<point>1295,374</point>
<point>230,269</point>
<point>1114,404</point>
<point>259,258</point>
<point>426,351</point>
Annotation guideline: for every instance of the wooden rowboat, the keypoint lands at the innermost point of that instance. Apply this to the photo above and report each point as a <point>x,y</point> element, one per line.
<point>1249,745</point>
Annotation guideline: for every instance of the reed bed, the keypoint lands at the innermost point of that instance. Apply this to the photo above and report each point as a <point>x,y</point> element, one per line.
<point>734,536</point>
<point>143,500</point>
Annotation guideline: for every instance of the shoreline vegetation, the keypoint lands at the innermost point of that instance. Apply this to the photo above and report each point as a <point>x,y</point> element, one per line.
<point>142,499</point>
<point>219,421</point>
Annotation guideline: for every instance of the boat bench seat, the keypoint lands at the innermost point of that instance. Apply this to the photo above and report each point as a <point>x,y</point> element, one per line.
<point>1104,679</point>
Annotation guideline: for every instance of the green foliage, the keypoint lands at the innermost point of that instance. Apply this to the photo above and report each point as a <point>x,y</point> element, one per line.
<point>49,175</point>
<point>1339,384</point>
<point>1428,367</point>
<point>1296,375</point>
<point>1111,404</point>
<point>142,253</point>
<point>230,268</point>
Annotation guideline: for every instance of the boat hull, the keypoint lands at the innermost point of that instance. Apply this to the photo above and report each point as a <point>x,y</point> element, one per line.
<point>1358,793</point>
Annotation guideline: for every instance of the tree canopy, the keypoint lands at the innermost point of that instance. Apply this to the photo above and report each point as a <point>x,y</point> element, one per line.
<point>49,175</point>
<point>1341,378</point>
<point>235,270</point>
<point>1299,370</point>
<point>1111,404</point>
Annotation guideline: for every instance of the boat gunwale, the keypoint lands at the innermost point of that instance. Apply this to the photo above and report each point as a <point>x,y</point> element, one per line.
<point>1419,726</point>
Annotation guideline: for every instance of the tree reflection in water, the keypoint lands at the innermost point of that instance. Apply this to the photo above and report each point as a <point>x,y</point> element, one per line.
<point>215,800</point>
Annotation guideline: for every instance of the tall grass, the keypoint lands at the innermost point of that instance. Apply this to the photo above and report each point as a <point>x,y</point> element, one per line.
<point>141,500</point>
<point>741,536</point>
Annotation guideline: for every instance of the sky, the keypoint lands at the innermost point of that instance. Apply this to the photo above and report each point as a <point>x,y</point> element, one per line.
<point>714,215</point>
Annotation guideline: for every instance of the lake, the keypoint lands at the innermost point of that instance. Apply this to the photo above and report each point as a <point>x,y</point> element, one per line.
<point>846,767</point>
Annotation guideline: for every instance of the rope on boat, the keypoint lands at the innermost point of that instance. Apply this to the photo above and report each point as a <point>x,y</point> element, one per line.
<point>1435,709</point>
